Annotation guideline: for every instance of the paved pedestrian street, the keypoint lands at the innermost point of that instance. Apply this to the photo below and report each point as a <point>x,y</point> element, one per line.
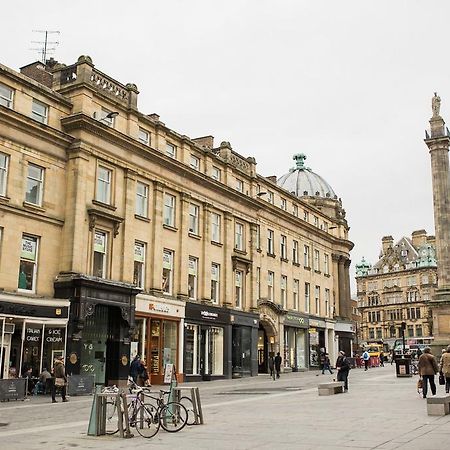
<point>379,411</point>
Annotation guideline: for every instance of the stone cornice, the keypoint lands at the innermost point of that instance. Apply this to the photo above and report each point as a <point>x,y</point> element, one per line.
<point>31,214</point>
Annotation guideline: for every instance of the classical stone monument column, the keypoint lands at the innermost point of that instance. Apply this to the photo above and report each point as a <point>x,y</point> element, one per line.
<point>438,141</point>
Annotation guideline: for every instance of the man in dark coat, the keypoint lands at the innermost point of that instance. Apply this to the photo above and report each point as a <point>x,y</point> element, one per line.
<point>277,363</point>
<point>428,368</point>
<point>135,368</point>
<point>343,367</point>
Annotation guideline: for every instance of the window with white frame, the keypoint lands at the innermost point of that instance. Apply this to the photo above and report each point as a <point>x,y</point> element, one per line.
<point>4,162</point>
<point>239,185</point>
<point>307,297</point>
<point>6,96</point>
<point>139,264</point>
<point>270,242</point>
<point>325,226</point>
<point>258,281</point>
<point>239,291</point>
<point>193,218</point>
<point>283,287</point>
<point>215,227</point>
<point>327,303</point>
<point>28,263</point>
<point>192,277</point>
<point>270,197</point>
<point>295,294</point>
<point>216,173</point>
<point>419,332</point>
<point>317,299</point>
<point>316,221</point>
<point>412,296</point>
<point>35,185</point>
<point>141,199</point>
<point>306,216</point>
<point>270,286</point>
<point>169,210</point>
<point>239,236</point>
<point>39,111</point>
<point>171,150</point>
<point>167,275</point>
<point>144,136</point>
<point>326,264</point>
<point>195,162</point>
<point>295,210</point>
<point>283,247</point>
<point>316,260</point>
<point>295,255</point>
<point>100,251</point>
<point>104,180</point>
<point>283,204</point>
<point>306,256</point>
<point>215,283</point>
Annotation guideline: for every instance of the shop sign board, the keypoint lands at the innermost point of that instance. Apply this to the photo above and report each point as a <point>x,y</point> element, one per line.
<point>296,321</point>
<point>207,314</point>
<point>80,384</point>
<point>12,389</point>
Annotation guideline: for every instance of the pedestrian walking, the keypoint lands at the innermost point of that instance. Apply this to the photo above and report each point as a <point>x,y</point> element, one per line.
<point>381,358</point>
<point>135,368</point>
<point>326,364</point>
<point>59,372</point>
<point>343,368</point>
<point>142,378</point>
<point>444,367</point>
<point>271,367</point>
<point>366,359</point>
<point>428,368</point>
<point>277,364</point>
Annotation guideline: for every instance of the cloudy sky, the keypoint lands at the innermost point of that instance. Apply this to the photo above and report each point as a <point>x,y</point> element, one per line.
<point>348,83</point>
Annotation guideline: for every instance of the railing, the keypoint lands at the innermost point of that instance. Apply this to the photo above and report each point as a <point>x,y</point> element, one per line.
<point>108,85</point>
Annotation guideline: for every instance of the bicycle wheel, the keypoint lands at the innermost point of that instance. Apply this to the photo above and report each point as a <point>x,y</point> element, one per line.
<point>147,421</point>
<point>112,420</point>
<point>187,403</point>
<point>173,417</point>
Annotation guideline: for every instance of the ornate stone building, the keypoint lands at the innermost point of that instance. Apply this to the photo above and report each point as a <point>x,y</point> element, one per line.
<point>398,288</point>
<point>121,236</point>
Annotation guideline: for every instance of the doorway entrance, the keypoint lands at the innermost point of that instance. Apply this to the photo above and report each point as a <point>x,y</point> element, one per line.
<point>263,350</point>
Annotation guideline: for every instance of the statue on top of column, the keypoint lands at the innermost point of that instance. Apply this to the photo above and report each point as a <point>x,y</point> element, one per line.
<point>436,105</point>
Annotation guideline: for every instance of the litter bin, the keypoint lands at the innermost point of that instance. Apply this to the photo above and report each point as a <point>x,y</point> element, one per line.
<point>403,367</point>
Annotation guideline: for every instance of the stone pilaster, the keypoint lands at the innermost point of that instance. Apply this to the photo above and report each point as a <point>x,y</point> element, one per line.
<point>181,286</point>
<point>228,246</point>
<point>157,253</point>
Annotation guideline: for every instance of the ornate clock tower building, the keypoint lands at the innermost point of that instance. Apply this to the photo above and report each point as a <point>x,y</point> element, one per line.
<point>438,141</point>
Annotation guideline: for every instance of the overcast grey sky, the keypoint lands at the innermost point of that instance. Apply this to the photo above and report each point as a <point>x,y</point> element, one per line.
<point>348,83</point>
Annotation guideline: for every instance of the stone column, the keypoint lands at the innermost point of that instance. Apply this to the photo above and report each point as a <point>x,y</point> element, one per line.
<point>228,281</point>
<point>157,253</point>
<point>181,286</point>
<point>438,143</point>
<point>205,263</point>
<point>341,286</point>
<point>347,296</point>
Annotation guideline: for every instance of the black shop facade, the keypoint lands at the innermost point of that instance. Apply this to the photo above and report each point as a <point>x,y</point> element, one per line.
<point>101,322</point>
<point>219,343</point>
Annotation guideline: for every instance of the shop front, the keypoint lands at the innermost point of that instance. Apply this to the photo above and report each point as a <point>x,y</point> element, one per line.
<point>295,354</point>
<point>158,335</point>
<point>345,335</point>
<point>317,341</point>
<point>101,322</point>
<point>32,334</point>
<point>244,344</point>
<point>207,342</point>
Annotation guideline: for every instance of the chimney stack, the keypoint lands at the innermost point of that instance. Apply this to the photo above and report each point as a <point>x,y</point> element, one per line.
<point>419,238</point>
<point>39,72</point>
<point>387,242</point>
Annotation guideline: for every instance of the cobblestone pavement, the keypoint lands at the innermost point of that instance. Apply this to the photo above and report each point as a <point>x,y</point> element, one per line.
<point>380,411</point>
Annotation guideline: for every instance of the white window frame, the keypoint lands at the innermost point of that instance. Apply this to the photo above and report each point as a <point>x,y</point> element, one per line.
<point>317,300</point>
<point>295,294</point>
<point>192,278</point>
<point>5,101</point>
<point>283,204</point>
<point>306,256</point>
<point>171,150</point>
<point>239,288</point>
<point>295,210</point>
<point>270,284</point>
<point>194,212</point>
<point>295,248</point>
<point>270,197</point>
<point>195,162</point>
<point>216,173</point>
<point>327,303</point>
<point>144,136</point>
<point>141,199</point>
<point>38,182</point>
<point>215,283</point>
<point>270,241</point>
<point>167,284</point>
<point>37,115</point>
<point>104,197</point>
<point>239,185</point>
<point>104,253</point>
<point>4,173</point>
<point>326,264</point>
<point>239,236</point>
<point>140,250</point>
<point>216,220</point>
<point>34,261</point>
<point>258,281</point>
<point>307,297</point>
<point>283,291</point>
<point>283,247</point>
<point>169,210</point>
<point>316,260</point>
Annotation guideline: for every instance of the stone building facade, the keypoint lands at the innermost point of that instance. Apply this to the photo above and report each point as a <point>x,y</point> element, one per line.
<point>397,289</point>
<point>120,236</point>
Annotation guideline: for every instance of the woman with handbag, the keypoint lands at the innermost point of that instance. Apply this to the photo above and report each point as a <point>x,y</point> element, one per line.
<point>428,368</point>
<point>444,368</point>
<point>59,372</point>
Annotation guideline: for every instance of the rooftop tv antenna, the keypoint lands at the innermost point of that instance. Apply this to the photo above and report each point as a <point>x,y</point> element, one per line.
<point>44,48</point>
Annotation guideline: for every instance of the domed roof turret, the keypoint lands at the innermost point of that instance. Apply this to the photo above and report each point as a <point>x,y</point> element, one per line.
<point>302,181</point>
